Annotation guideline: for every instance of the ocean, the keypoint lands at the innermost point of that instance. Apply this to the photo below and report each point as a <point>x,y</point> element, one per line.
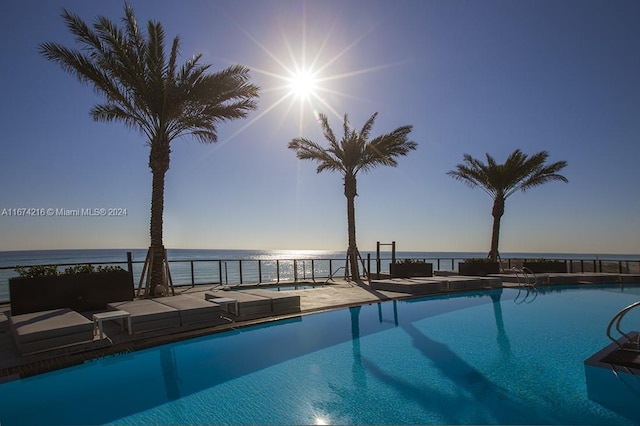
<point>230,267</point>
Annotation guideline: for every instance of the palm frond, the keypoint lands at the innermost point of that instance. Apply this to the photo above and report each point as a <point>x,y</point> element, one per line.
<point>354,152</point>
<point>146,89</point>
<point>326,129</point>
<point>366,128</point>
<point>309,150</point>
<point>518,172</point>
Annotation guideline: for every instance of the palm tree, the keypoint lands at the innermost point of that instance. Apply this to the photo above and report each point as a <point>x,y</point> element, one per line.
<point>518,173</point>
<point>150,92</point>
<point>352,154</point>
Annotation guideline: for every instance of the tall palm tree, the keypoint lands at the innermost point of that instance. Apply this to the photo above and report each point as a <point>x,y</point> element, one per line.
<point>352,154</point>
<point>518,173</point>
<point>148,91</point>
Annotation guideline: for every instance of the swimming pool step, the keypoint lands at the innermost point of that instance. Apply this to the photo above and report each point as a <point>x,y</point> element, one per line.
<point>613,378</point>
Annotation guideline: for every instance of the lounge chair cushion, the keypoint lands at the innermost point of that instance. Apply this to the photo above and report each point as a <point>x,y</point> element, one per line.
<point>249,305</point>
<point>281,302</point>
<point>38,331</point>
<point>193,310</point>
<point>147,314</point>
<point>415,285</point>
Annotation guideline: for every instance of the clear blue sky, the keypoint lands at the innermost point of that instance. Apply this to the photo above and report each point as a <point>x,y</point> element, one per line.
<point>470,76</point>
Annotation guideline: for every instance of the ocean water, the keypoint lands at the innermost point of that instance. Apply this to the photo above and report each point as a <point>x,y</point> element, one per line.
<point>230,267</point>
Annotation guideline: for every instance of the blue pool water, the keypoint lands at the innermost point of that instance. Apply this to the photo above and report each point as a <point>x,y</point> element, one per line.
<point>482,358</point>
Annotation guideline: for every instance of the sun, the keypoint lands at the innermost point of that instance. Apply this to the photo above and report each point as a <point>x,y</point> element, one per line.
<point>303,84</point>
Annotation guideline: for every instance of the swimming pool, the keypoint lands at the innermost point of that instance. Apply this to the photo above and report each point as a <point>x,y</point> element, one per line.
<point>482,357</point>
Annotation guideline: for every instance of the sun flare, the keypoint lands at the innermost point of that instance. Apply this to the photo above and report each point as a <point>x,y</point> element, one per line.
<point>303,84</point>
<point>307,83</point>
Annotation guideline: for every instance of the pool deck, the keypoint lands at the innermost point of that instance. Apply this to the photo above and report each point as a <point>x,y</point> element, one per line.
<point>336,294</point>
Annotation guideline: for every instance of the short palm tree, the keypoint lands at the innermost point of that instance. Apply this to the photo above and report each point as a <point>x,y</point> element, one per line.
<point>148,91</point>
<point>352,154</point>
<point>518,173</point>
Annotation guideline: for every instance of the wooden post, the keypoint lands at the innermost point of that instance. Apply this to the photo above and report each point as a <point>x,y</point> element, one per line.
<point>146,273</point>
<point>145,267</point>
<point>378,260</point>
<point>393,255</point>
<point>346,266</point>
<point>167,274</point>
<point>393,252</point>
<point>130,262</point>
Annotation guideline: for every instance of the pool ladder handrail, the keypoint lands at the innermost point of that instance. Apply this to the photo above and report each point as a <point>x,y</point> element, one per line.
<point>632,343</point>
<point>526,273</point>
<point>333,273</point>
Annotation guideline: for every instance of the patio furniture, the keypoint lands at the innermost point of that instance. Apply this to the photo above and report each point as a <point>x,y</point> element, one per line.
<point>224,302</point>
<point>257,303</point>
<point>249,306</point>
<point>147,314</point>
<point>193,310</point>
<point>99,317</point>
<point>47,330</point>
<point>281,302</point>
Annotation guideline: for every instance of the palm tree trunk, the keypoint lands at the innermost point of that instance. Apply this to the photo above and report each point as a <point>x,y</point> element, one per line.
<point>497,212</point>
<point>159,164</point>
<point>350,191</point>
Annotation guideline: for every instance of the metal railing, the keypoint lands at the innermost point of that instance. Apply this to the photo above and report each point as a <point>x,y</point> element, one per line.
<point>631,343</point>
<point>528,283</point>
<point>585,265</point>
<point>191,272</point>
<point>229,272</point>
<point>528,278</point>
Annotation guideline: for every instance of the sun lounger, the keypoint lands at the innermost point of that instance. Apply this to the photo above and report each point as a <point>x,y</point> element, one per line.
<point>46,330</point>
<point>257,303</point>
<point>415,286</point>
<point>249,306</point>
<point>148,314</point>
<point>281,303</point>
<point>193,310</point>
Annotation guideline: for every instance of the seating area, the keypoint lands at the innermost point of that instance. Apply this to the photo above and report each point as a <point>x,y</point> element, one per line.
<point>35,332</point>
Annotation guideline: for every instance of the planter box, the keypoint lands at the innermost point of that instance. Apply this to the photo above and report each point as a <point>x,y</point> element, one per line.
<point>406,270</point>
<point>80,292</point>
<point>478,269</point>
<point>545,267</point>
